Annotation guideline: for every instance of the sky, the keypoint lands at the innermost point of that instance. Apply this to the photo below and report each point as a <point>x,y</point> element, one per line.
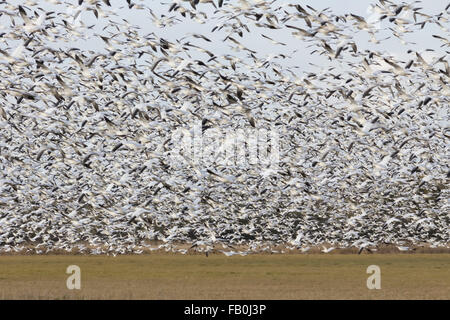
<point>301,61</point>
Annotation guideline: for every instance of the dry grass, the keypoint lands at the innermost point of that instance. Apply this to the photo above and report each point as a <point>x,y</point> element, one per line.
<point>169,276</point>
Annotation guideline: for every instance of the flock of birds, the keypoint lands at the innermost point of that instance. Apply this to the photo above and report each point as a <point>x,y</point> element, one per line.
<point>85,133</point>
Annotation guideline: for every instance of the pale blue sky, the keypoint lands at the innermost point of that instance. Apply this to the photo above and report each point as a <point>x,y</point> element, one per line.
<point>423,39</point>
<point>256,42</point>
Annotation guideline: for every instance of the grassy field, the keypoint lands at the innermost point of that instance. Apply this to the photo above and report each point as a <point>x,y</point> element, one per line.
<point>259,276</point>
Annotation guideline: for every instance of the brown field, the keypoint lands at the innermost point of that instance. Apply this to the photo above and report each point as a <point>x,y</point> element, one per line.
<point>257,276</point>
